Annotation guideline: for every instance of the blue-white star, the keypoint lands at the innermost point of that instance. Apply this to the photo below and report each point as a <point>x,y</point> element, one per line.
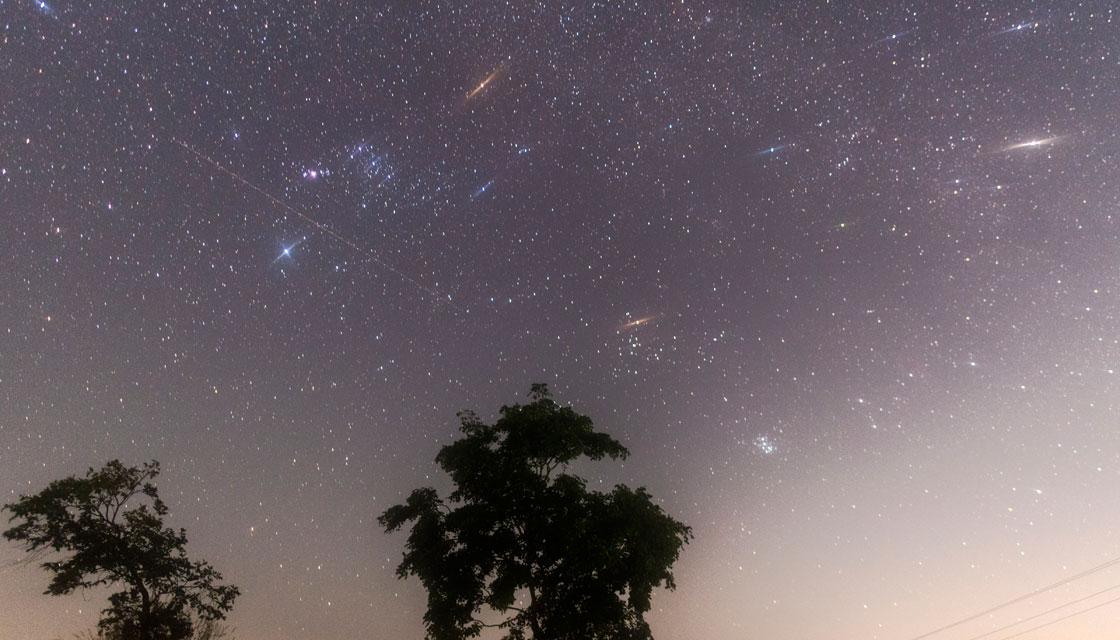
<point>286,250</point>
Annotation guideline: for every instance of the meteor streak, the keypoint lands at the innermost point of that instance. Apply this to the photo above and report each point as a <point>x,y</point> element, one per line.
<point>633,324</point>
<point>769,151</point>
<point>485,82</point>
<point>1022,26</point>
<point>1029,144</point>
<point>370,254</point>
<point>478,193</point>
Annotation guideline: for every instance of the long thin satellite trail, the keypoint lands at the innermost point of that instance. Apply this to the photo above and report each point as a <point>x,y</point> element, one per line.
<point>319,226</point>
<point>1041,590</point>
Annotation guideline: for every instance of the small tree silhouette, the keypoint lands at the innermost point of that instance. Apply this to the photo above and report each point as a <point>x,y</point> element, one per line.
<point>109,526</point>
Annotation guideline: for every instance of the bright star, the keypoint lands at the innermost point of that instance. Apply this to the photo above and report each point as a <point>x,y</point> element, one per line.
<point>286,250</point>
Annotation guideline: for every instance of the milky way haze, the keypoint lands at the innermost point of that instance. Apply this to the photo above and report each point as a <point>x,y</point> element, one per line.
<point>844,279</point>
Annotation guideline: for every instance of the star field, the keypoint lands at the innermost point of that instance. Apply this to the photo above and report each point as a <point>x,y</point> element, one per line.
<point>843,279</point>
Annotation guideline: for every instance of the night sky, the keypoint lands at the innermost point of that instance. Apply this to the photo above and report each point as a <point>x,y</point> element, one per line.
<point>844,279</point>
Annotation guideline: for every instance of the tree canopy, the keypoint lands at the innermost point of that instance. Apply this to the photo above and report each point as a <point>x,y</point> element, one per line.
<point>523,545</point>
<point>108,526</point>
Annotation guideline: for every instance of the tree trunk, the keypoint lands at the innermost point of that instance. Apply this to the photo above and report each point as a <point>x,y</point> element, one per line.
<point>147,630</point>
<point>534,624</point>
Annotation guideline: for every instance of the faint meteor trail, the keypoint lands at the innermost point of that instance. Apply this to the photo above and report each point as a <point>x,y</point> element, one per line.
<point>769,151</point>
<point>479,192</point>
<point>1022,26</point>
<point>894,37</point>
<point>319,226</point>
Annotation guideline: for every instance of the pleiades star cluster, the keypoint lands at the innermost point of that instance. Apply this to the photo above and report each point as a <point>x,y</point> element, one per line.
<point>843,276</point>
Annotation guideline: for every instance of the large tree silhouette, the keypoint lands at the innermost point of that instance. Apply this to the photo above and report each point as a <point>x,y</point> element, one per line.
<point>107,529</point>
<point>524,546</point>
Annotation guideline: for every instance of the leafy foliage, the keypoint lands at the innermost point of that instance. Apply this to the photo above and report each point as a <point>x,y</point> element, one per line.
<point>109,528</point>
<point>203,630</point>
<point>522,538</point>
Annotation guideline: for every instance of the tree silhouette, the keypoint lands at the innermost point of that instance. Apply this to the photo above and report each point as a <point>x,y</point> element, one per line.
<point>109,525</point>
<point>524,546</point>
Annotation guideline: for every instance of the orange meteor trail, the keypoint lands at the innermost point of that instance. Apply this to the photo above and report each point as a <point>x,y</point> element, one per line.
<point>485,81</point>
<point>639,322</point>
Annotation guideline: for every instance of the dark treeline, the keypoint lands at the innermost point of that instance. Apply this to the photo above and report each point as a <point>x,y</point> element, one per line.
<point>520,545</point>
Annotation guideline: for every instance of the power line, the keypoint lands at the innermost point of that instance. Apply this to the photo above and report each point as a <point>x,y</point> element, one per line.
<point>1063,618</point>
<point>1047,612</point>
<point>1101,567</point>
